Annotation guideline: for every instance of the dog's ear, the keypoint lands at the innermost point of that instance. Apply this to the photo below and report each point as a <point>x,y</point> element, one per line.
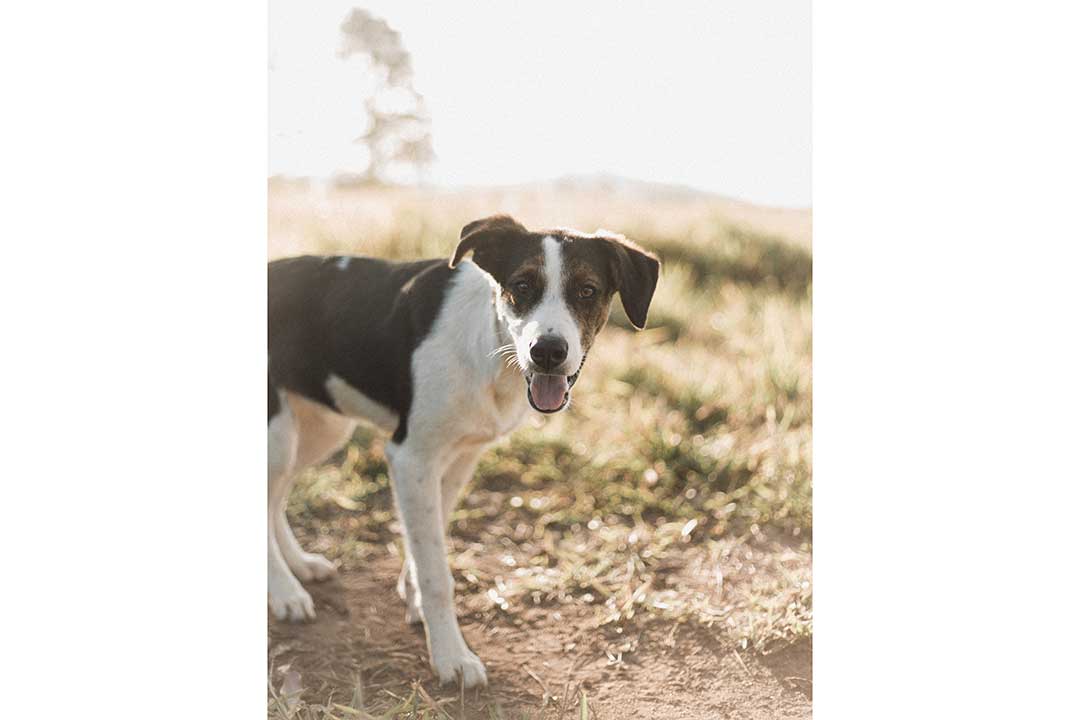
<point>483,237</point>
<point>636,273</point>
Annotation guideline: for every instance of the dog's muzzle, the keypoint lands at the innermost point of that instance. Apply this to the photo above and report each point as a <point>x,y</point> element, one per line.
<point>550,393</point>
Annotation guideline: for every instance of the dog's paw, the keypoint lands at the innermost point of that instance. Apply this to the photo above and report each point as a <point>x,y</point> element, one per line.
<point>318,567</point>
<point>310,567</point>
<point>294,605</point>
<point>462,664</point>
<point>413,613</point>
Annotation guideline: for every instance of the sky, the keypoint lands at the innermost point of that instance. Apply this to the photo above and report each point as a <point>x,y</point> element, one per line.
<point>714,95</point>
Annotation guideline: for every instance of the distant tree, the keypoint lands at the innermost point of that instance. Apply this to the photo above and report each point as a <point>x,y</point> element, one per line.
<point>398,136</point>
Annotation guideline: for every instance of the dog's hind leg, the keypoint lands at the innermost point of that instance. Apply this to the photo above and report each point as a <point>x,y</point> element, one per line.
<point>406,589</point>
<point>453,481</point>
<point>288,599</point>
<point>320,432</point>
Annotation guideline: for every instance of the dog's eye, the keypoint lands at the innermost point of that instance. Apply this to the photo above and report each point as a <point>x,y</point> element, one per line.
<point>521,287</point>
<point>586,291</point>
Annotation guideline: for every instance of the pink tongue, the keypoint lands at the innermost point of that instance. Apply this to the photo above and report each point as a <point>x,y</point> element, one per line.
<point>548,391</point>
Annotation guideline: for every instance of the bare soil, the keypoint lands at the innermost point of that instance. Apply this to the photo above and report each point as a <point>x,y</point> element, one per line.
<point>540,660</point>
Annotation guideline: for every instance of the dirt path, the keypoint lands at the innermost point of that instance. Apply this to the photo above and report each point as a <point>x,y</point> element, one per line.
<point>540,661</point>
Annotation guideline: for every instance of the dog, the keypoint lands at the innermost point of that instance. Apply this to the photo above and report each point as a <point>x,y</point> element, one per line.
<point>445,357</point>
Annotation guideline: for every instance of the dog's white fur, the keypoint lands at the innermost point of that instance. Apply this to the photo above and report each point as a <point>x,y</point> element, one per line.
<point>465,397</point>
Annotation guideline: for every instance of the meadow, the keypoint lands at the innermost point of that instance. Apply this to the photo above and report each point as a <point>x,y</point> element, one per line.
<point>646,553</point>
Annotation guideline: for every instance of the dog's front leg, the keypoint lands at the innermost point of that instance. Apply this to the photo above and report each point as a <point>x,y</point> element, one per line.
<point>417,493</point>
<point>454,479</point>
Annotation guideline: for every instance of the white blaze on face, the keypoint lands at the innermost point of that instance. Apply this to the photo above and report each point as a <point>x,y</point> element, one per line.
<point>551,316</point>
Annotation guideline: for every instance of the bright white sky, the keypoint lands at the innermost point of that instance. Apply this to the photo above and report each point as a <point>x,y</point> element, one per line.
<point>710,94</point>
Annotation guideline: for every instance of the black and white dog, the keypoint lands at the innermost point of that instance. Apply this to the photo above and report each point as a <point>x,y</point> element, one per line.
<point>423,350</point>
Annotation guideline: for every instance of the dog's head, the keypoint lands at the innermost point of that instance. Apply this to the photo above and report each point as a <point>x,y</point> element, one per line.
<point>554,291</point>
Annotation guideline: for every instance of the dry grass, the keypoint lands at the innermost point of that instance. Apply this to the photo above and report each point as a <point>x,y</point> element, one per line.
<point>677,486</point>
<point>415,703</point>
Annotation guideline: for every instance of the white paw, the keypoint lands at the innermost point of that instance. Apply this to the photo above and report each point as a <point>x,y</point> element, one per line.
<point>309,567</point>
<point>317,567</point>
<point>292,604</point>
<point>452,667</point>
<point>413,613</point>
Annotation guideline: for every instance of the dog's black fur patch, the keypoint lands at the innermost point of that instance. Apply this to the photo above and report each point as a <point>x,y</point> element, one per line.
<point>273,403</point>
<point>359,318</point>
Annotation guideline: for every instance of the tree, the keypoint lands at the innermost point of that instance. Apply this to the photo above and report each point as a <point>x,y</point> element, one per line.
<point>398,136</point>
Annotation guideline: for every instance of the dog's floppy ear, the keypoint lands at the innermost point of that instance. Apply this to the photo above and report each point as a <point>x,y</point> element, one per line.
<point>482,237</point>
<point>636,274</point>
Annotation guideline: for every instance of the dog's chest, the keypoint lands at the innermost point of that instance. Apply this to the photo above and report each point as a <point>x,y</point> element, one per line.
<point>500,412</point>
<point>509,401</point>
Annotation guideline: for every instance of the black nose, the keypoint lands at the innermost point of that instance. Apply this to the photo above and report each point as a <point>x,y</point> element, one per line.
<point>548,351</point>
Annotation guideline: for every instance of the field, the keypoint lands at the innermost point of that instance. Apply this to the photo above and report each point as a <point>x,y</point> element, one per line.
<point>646,553</point>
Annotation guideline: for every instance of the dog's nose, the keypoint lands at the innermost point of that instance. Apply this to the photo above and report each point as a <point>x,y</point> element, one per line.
<point>548,351</point>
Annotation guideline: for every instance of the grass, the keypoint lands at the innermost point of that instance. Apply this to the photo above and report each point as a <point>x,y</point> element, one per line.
<point>676,488</point>
<point>415,704</point>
